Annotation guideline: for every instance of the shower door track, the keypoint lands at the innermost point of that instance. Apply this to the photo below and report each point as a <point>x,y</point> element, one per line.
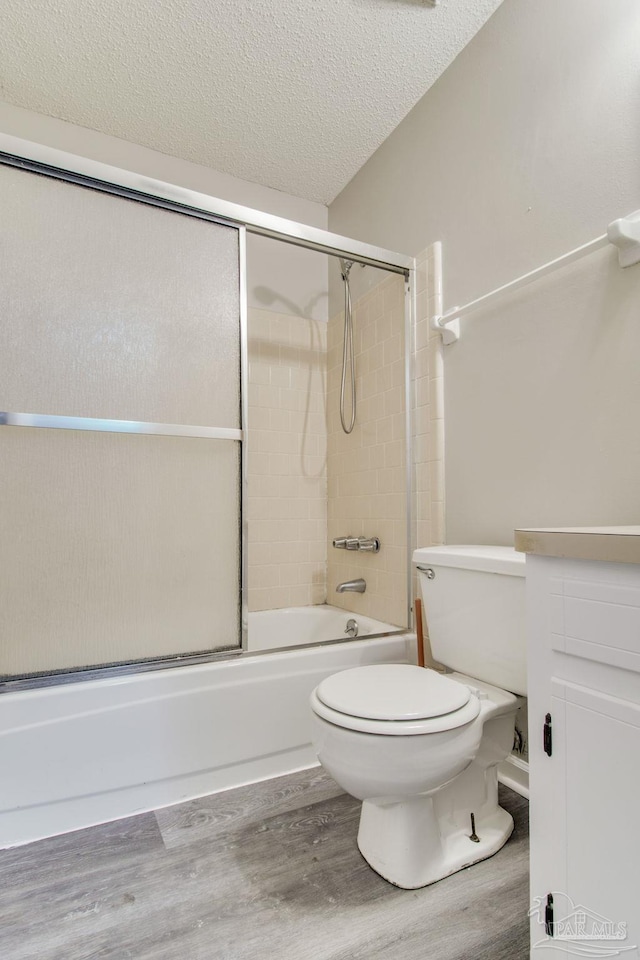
<point>48,161</point>
<point>91,173</point>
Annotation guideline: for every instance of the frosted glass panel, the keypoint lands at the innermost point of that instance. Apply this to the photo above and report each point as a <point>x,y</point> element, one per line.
<point>115,548</point>
<point>112,308</point>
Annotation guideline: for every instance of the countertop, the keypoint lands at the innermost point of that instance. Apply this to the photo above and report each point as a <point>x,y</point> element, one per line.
<point>613,544</point>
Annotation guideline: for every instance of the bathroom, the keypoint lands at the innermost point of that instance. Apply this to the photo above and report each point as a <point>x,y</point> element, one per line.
<point>537,404</point>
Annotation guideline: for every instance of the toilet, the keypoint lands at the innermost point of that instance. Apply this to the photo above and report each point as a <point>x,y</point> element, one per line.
<point>421,748</point>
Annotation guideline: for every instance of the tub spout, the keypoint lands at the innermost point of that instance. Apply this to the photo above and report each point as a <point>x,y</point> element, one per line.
<point>352,586</point>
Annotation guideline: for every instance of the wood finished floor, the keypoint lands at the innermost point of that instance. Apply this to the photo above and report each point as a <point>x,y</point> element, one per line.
<point>266,871</point>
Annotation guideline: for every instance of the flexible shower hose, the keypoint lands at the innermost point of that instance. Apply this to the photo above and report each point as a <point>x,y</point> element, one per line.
<point>348,358</point>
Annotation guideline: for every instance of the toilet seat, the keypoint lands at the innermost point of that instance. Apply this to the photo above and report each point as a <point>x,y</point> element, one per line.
<point>394,700</point>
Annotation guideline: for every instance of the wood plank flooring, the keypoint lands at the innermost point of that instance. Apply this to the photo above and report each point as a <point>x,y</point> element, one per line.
<point>265,871</point>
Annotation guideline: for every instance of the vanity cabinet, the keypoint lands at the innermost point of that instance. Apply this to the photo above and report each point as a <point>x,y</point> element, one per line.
<point>584,749</point>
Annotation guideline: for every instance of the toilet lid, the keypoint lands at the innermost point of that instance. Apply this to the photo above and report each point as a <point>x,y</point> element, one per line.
<point>392,691</point>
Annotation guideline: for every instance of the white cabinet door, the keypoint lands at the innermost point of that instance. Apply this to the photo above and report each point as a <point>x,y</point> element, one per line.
<point>584,670</point>
<point>595,873</point>
<point>601,783</point>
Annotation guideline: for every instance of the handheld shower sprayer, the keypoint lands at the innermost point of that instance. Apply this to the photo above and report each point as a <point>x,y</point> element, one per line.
<point>348,358</point>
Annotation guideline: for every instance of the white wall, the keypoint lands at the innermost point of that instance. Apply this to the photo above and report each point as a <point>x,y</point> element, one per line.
<point>281,277</point>
<point>527,146</point>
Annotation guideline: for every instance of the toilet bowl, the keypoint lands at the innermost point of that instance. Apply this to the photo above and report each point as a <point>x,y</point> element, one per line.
<point>420,748</point>
<point>420,779</point>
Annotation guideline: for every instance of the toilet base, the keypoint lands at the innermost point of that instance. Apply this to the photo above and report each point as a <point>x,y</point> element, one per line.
<point>408,844</point>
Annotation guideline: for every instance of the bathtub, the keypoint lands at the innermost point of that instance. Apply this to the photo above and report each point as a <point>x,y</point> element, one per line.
<point>296,626</point>
<point>84,753</point>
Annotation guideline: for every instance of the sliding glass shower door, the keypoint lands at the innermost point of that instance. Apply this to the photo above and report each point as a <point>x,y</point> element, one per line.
<point>120,437</point>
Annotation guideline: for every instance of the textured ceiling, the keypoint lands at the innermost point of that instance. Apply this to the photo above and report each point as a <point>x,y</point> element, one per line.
<point>292,94</point>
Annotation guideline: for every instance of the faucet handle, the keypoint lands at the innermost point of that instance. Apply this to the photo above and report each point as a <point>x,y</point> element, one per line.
<point>369,544</point>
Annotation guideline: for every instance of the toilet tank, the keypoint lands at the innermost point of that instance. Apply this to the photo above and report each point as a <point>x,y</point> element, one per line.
<point>474,607</point>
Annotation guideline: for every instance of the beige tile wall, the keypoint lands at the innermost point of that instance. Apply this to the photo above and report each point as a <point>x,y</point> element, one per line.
<point>287,477</point>
<point>366,469</point>
<point>309,482</point>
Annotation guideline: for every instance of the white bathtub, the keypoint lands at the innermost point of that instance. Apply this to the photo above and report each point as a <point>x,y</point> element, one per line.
<point>84,753</point>
<point>296,626</point>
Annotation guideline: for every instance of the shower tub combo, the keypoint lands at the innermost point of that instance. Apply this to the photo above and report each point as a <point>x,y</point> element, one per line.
<point>131,674</point>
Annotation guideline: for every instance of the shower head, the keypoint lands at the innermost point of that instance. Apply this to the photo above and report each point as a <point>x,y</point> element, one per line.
<point>345,267</point>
